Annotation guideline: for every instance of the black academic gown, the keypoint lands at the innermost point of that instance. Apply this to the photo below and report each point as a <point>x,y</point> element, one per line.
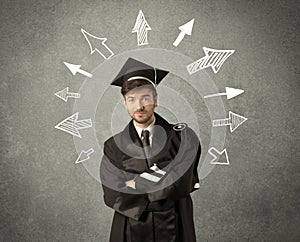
<point>154,211</point>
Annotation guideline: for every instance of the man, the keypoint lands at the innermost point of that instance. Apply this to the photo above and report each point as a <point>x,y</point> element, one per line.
<point>150,168</point>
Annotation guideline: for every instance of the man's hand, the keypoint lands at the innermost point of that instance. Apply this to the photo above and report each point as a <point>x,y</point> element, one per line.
<point>130,183</point>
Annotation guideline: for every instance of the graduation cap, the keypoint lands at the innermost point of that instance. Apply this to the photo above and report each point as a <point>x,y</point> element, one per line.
<point>133,70</point>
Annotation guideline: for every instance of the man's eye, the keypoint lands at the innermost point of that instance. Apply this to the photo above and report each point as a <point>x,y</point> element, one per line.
<point>130,100</point>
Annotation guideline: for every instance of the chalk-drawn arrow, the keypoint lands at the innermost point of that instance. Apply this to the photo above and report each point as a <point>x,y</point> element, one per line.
<point>102,49</point>
<point>141,27</point>
<point>84,155</point>
<point>230,93</point>
<point>185,29</point>
<point>64,94</point>
<point>233,121</point>
<point>217,154</point>
<point>213,58</point>
<point>76,68</point>
<point>72,126</point>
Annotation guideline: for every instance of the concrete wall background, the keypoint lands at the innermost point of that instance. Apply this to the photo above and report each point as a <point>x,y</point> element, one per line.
<point>45,197</point>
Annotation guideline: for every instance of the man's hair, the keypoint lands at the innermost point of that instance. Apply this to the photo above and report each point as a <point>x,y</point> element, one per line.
<point>132,84</point>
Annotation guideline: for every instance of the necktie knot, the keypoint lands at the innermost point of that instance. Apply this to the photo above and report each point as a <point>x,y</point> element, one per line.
<point>145,137</point>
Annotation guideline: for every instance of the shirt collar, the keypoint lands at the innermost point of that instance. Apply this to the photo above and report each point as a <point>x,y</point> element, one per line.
<point>149,128</point>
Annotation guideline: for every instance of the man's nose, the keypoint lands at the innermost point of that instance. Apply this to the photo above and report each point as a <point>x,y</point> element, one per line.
<point>140,105</point>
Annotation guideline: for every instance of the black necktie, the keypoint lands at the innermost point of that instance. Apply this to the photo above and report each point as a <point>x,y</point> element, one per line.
<point>146,144</point>
<point>145,138</point>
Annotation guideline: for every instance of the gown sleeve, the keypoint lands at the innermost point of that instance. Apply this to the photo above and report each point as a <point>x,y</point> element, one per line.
<point>122,199</point>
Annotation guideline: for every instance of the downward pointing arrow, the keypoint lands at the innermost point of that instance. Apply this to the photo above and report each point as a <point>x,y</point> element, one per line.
<point>185,29</point>
<point>84,155</point>
<point>217,154</point>
<point>76,68</point>
<point>230,93</point>
<point>105,52</point>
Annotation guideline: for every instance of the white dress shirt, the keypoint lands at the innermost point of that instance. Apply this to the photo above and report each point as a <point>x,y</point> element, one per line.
<point>149,128</point>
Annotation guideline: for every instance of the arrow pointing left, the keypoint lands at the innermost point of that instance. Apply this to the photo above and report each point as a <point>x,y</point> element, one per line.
<point>105,52</point>
<point>76,68</point>
<point>72,126</point>
<point>64,94</point>
<point>84,155</point>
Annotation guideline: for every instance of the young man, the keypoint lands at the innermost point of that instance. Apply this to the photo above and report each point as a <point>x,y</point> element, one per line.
<point>150,168</point>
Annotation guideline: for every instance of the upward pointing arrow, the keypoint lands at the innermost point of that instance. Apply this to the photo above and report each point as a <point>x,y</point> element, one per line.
<point>185,29</point>
<point>141,27</point>
<point>76,68</point>
<point>230,93</point>
<point>105,52</point>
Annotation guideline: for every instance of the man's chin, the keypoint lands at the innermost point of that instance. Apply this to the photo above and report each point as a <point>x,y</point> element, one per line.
<point>141,120</point>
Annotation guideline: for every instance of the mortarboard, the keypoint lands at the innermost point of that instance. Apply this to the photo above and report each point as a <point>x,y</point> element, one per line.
<point>133,69</point>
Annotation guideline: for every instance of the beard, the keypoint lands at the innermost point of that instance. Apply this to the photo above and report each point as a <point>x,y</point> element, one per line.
<point>142,116</point>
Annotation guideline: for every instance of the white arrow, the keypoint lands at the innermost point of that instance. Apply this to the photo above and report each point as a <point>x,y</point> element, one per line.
<point>215,154</point>
<point>213,58</point>
<point>84,155</point>
<point>105,52</point>
<point>230,93</point>
<point>185,29</point>
<point>72,126</point>
<point>65,94</point>
<point>141,27</point>
<point>76,68</point>
<point>233,121</point>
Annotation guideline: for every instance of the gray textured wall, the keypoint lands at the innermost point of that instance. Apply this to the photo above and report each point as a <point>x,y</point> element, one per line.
<point>45,197</point>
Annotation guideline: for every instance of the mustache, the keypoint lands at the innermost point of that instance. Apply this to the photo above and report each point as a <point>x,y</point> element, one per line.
<point>142,109</point>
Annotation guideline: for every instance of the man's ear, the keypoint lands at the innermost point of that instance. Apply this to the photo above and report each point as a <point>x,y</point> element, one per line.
<point>124,102</point>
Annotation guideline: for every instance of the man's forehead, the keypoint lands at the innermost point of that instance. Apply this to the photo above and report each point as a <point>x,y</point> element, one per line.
<point>139,91</point>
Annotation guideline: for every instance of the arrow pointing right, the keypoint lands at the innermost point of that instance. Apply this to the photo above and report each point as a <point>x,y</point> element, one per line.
<point>233,121</point>
<point>230,93</point>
